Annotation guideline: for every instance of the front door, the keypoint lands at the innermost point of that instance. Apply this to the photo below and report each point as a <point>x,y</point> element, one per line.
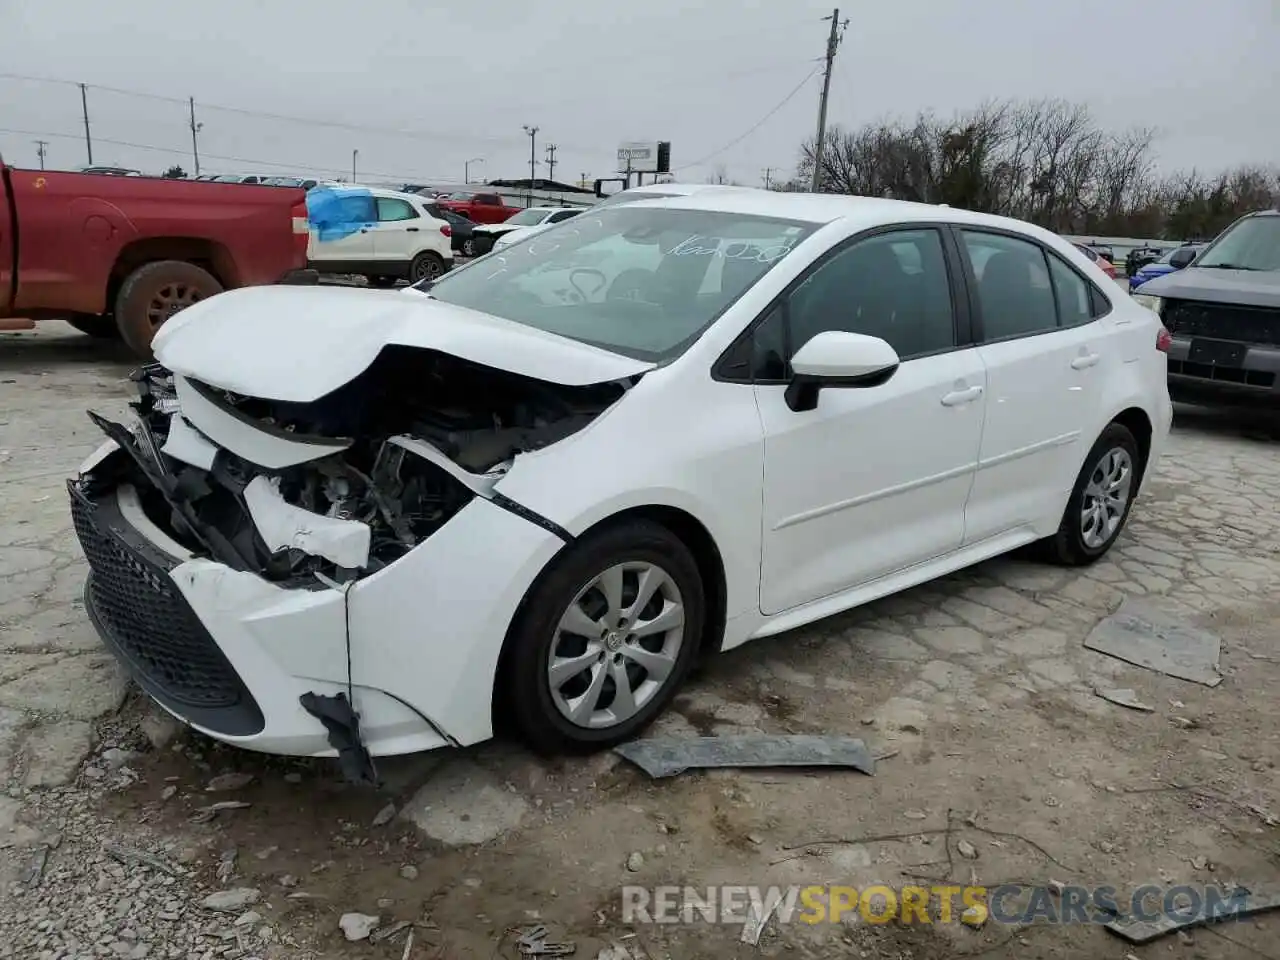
<point>874,479</point>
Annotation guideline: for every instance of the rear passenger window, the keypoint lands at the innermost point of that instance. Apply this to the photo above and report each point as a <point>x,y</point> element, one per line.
<point>390,209</point>
<point>1075,305</point>
<point>893,286</point>
<point>1015,295</point>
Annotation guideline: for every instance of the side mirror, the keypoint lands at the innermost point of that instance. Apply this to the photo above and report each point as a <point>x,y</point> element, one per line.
<point>1182,259</point>
<point>838,359</point>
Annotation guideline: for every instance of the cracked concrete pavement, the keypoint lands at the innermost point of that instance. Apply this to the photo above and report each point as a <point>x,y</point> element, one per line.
<point>977,684</point>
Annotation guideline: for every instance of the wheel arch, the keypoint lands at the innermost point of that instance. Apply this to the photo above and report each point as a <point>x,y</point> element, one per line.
<point>684,525</point>
<point>1138,422</point>
<point>209,255</point>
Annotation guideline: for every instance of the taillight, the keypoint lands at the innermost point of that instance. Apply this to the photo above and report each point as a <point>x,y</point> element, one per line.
<point>301,224</point>
<point>446,230</point>
<point>1164,339</point>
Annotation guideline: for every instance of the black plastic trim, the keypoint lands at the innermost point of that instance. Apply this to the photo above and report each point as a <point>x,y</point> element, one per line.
<point>212,395</point>
<point>506,503</point>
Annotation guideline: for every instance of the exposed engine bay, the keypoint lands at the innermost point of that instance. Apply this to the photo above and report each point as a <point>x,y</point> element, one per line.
<point>393,455</point>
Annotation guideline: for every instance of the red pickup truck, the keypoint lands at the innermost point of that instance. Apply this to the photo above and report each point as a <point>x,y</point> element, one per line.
<point>117,256</point>
<point>479,207</point>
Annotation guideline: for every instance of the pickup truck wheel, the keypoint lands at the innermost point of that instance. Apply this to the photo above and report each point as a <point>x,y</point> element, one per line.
<point>153,293</point>
<point>102,327</point>
<point>426,266</point>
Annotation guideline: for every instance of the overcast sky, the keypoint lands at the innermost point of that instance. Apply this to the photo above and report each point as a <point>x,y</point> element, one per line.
<point>458,80</point>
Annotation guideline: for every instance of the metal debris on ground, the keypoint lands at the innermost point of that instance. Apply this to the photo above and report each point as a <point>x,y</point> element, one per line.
<point>131,856</point>
<point>34,872</point>
<point>757,921</point>
<point>1145,636</point>
<point>667,756</point>
<point>390,932</point>
<point>533,943</point>
<point>1124,698</point>
<point>205,814</point>
<point>1240,903</point>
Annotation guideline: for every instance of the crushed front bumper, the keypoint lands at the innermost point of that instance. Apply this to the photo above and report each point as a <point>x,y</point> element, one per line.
<point>415,645</point>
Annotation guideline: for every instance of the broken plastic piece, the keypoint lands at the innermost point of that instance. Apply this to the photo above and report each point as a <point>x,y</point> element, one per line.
<point>343,726</point>
<point>1124,698</point>
<point>1240,903</point>
<point>667,756</point>
<point>1140,634</point>
<point>284,526</point>
<point>188,444</point>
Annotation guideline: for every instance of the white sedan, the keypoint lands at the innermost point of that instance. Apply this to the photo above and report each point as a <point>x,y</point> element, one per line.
<point>357,523</point>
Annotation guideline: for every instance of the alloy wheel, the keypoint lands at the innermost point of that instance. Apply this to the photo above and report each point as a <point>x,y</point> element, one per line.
<point>616,645</point>
<point>170,299</point>
<point>1106,497</point>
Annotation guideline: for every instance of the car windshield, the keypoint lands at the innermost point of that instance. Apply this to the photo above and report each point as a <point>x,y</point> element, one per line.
<point>644,282</point>
<point>528,218</point>
<point>1252,244</point>
<point>626,196</point>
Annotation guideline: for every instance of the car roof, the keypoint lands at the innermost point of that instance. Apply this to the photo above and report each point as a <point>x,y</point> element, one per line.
<point>821,209</point>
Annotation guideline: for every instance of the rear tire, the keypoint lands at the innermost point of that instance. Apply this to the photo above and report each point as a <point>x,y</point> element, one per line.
<point>1100,501</point>
<point>427,265</point>
<point>153,293</point>
<point>651,662</point>
<point>98,326</point>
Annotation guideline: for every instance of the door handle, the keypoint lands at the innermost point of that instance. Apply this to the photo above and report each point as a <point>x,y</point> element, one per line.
<point>410,229</point>
<point>1085,361</point>
<point>957,397</point>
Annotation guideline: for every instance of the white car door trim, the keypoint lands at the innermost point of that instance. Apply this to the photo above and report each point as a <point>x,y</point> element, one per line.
<point>907,487</point>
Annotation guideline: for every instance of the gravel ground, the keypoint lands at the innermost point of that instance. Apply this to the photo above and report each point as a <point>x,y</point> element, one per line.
<point>1000,761</point>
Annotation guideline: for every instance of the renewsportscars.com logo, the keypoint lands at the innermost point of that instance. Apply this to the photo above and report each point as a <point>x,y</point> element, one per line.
<point>974,905</point>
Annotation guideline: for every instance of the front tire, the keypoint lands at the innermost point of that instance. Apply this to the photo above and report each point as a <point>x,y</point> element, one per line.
<point>468,247</point>
<point>604,640</point>
<point>1100,501</point>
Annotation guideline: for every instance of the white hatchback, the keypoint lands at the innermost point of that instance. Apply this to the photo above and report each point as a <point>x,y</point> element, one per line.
<point>357,523</point>
<point>382,235</point>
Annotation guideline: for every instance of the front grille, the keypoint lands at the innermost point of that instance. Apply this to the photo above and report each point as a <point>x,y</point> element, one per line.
<point>1222,321</point>
<point>1210,371</point>
<point>144,617</point>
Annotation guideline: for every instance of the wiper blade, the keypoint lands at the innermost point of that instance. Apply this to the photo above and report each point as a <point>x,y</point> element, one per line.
<point>1225,266</point>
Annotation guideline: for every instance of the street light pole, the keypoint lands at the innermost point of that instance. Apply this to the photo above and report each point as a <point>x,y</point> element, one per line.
<point>466,168</point>
<point>354,154</point>
<point>533,157</point>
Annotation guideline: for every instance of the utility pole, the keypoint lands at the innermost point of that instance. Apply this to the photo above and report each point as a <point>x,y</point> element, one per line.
<point>833,42</point>
<point>84,109</point>
<point>533,156</point>
<point>40,145</point>
<point>195,128</point>
<point>354,154</point>
<point>768,177</point>
<point>551,161</point>
<point>466,168</point>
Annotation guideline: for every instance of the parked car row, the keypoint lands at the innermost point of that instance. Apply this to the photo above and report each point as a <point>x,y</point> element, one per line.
<point>1178,258</point>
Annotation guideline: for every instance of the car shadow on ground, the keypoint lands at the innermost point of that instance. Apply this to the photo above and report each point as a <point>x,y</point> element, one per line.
<point>1247,423</point>
<point>54,344</point>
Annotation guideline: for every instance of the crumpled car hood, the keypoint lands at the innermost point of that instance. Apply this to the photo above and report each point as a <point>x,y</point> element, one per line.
<point>298,344</point>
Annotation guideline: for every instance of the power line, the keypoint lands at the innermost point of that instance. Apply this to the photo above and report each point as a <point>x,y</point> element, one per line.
<point>283,165</point>
<point>755,126</point>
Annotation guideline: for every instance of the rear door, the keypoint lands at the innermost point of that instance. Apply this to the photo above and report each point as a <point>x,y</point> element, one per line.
<point>397,235</point>
<point>1034,317</point>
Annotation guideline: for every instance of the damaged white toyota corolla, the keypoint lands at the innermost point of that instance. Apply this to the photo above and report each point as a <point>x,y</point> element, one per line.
<point>360,523</point>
